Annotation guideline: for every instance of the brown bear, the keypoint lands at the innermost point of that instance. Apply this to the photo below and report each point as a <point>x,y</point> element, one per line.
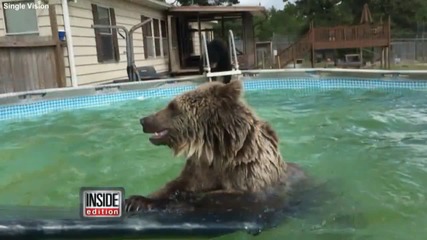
<point>233,157</point>
<point>219,59</point>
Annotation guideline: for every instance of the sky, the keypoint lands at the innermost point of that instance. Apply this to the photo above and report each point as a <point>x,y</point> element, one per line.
<point>278,4</point>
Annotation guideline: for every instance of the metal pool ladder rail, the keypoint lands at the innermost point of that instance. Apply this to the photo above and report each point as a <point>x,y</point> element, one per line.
<point>233,56</point>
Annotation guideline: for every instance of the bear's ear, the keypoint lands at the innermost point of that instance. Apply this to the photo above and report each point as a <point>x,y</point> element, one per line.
<point>232,89</point>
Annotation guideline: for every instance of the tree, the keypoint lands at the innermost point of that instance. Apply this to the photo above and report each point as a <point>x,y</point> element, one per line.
<point>287,22</point>
<point>324,12</point>
<point>405,15</point>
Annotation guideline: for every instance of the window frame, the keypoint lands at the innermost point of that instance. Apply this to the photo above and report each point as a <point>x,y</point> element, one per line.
<point>99,34</point>
<point>147,35</point>
<point>151,36</point>
<point>164,38</point>
<point>3,10</point>
<point>157,37</point>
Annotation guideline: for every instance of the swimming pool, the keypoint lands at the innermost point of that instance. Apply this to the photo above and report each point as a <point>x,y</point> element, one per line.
<point>366,136</point>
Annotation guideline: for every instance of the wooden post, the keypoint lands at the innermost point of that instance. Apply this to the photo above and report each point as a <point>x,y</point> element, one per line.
<point>263,59</point>
<point>389,30</point>
<point>293,56</point>
<point>173,60</point>
<point>59,54</point>
<point>312,39</point>
<point>388,58</point>
<point>389,39</point>
<point>249,40</point>
<point>385,58</point>
<point>199,26</point>
<point>272,55</point>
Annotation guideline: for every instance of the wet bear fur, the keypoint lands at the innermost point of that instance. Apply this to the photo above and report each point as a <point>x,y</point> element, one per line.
<point>234,165</point>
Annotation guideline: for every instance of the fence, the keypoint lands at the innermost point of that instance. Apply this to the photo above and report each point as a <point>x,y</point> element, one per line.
<point>409,49</point>
<point>281,42</point>
<point>32,62</point>
<point>404,50</point>
<point>29,68</point>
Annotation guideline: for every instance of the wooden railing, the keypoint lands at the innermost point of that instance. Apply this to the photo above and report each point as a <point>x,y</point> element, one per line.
<point>295,50</point>
<point>356,36</point>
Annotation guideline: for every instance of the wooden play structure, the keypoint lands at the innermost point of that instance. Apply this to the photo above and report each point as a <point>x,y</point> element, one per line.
<point>183,61</point>
<point>364,35</point>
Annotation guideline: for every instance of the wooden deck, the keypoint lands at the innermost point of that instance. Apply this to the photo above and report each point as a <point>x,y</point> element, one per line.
<point>359,36</point>
<point>339,37</point>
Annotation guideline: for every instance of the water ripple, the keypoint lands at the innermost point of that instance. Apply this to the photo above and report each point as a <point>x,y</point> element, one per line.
<point>373,142</point>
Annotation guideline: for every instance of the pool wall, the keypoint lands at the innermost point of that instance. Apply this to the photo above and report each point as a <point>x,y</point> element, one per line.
<point>27,104</point>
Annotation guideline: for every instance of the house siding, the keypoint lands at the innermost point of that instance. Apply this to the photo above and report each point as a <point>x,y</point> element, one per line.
<point>88,69</point>
<point>2,24</point>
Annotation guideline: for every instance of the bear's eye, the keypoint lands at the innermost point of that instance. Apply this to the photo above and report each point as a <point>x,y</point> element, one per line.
<point>173,107</point>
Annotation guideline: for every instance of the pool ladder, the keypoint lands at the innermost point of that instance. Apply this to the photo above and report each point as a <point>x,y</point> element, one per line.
<point>233,56</point>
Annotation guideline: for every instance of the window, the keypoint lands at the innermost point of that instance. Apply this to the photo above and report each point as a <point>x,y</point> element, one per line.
<point>107,46</point>
<point>20,18</point>
<point>154,38</point>
<point>147,37</point>
<point>164,38</point>
<point>157,46</point>
<point>209,35</point>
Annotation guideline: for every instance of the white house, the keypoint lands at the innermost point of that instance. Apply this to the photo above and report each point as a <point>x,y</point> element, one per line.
<point>32,57</point>
<point>99,56</point>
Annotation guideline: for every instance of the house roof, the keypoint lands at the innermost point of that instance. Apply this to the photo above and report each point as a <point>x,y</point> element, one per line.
<point>218,10</point>
<point>155,4</point>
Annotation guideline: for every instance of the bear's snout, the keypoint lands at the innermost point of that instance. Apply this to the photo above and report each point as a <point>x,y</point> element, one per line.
<point>142,121</point>
<point>149,124</point>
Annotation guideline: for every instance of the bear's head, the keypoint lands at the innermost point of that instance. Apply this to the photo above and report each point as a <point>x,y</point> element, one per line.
<point>209,121</point>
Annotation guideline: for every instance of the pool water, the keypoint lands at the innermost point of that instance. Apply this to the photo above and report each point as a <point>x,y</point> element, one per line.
<point>371,144</point>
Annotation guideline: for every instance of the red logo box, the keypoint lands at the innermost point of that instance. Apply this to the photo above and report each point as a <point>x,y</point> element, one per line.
<point>101,202</point>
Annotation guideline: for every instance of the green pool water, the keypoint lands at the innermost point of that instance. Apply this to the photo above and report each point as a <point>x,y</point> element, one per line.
<point>370,144</point>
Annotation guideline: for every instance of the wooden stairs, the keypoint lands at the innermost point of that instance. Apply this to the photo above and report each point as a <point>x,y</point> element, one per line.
<point>295,51</point>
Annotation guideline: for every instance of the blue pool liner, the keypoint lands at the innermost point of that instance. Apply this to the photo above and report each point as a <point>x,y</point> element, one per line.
<point>11,112</point>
